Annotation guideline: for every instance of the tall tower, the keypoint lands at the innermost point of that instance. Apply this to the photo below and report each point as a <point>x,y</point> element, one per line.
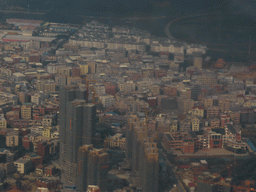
<point>77,125</point>
<point>67,95</point>
<point>149,166</point>
<point>92,168</point>
<point>83,154</point>
<point>98,168</point>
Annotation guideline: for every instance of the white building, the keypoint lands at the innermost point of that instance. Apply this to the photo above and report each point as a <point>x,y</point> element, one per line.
<point>42,189</point>
<point>23,165</point>
<point>36,99</point>
<point>127,87</point>
<point>117,141</point>
<point>107,100</point>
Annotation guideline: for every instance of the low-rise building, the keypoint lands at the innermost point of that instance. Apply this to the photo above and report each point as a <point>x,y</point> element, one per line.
<point>12,139</point>
<point>23,165</point>
<point>117,141</point>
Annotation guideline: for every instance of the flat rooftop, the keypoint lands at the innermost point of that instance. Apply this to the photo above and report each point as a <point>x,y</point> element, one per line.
<point>15,20</point>
<point>27,38</point>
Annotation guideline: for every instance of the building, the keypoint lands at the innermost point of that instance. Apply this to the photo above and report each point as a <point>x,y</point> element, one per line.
<point>184,105</point>
<point>224,119</point>
<point>48,121</point>
<point>77,124</point>
<point>247,116</point>
<point>198,62</point>
<point>18,77</point>
<point>149,167</point>
<point>215,140</point>
<point>98,168</point>
<point>206,79</point>
<point>213,112</point>
<point>107,100</point>
<point>117,141</point>
<point>195,124</point>
<point>3,122</point>
<point>10,168</point>
<point>99,89</point>
<point>127,87</point>
<point>169,91</point>
<point>22,22</point>
<point>93,188</point>
<point>185,93</point>
<point>91,67</point>
<point>23,97</point>
<point>188,146</point>
<point>42,189</point>
<point>26,111</point>
<point>92,168</point>
<point>23,165</point>
<point>49,87</point>
<point>208,102</point>
<point>197,111</point>
<point>12,139</point>
<point>168,103</point>
<point>215,123</point>
<point>224,105</point>
<point>110,89</point>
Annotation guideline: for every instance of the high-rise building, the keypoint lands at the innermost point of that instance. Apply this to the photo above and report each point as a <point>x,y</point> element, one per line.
<point>92,168</point>
<point>77,124</point>
<point>82,169</point>
<point>149,166</point>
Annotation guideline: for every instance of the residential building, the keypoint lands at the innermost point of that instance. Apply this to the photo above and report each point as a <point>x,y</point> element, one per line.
<point>77,124</point>
<point>92,167</point>
<point>195,124</point>
<point>107,100</point>
<point>213,112</point>
<point>117,141</point>
<point>23,165</point>
<point>127,87</point>
<point>224,105</point>
<point>3,122</point>
<point>208,102</point>
<point>12,139</point>
<point>184,105</point>
<point>198,62</point>
<point>197,111</point>
<point>26,111</point>
<point>149,166</point>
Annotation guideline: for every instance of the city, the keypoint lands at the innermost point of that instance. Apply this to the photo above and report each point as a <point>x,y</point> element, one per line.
<point>95,107</point>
